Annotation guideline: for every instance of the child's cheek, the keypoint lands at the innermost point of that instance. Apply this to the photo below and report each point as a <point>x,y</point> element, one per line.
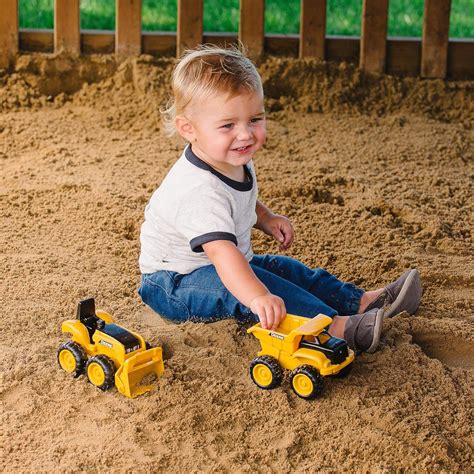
<point>223,142</point>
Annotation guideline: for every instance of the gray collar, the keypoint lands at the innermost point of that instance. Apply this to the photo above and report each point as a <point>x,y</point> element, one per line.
<point>239,186</point>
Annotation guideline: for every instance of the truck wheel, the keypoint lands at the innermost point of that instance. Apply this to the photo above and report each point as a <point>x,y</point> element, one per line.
<point>101,371</point>
<point>306,382</point>
<point>345,371</point>
<point>266,372</point>
<point>72,358</point>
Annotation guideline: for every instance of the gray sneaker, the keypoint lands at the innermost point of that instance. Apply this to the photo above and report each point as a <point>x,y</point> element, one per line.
<point>403,294</point>
<point>362,331</point>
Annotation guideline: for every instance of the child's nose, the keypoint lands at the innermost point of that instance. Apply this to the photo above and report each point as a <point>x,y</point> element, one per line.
<point>245,132</point>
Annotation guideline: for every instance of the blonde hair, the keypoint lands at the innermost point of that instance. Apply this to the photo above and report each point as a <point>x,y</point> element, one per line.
<point>206,71</point>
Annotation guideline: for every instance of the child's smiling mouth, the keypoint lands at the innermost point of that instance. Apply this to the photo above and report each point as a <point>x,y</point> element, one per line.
<point>242,149</point>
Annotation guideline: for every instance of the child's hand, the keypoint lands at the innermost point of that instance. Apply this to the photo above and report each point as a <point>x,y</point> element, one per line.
<point>281,229</point>
<point>270,310</point>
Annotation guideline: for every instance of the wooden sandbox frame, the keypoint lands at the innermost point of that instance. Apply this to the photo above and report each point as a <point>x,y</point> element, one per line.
<point>434,56</point>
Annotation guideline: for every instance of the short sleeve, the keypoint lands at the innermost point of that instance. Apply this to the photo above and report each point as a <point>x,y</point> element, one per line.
<point>205,216</point>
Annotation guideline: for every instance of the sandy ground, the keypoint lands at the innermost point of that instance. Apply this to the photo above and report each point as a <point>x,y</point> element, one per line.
<point>376,175</point>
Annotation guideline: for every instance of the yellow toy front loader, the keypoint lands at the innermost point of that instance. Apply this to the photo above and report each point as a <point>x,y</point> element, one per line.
<point>107,352</point>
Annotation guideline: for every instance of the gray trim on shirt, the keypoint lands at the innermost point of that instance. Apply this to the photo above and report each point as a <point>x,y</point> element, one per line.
<point>237,185</point>
<point>196,243</point>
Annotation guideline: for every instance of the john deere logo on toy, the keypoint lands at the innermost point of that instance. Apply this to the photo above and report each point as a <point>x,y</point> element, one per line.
<point>278,336</point>
<point>105,343</point>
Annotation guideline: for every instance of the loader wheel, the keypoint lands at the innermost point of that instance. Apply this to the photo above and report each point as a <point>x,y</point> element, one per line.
<point>266,372</point>
<point>72,358</point>
<point>101,371</point>
<point>306,382</point>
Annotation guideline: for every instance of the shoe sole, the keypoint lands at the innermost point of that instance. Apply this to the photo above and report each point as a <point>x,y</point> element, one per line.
<point>379,319</point>
<point>411,291</point>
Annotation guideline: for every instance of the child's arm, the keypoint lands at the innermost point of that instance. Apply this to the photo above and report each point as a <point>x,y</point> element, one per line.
<point>275,225</point>
<point>239,278</point>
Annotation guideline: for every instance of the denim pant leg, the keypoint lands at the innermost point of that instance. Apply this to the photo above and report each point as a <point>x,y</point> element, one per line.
<point>201,296</point>
<point>297,300</point>
<point>343,297</point>
<point>196,296</point>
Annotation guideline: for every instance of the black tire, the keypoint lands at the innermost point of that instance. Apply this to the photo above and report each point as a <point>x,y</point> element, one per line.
<point>306,382</point>
<point>77,353</point>
<point>108,370</point>
<point>272,365</point>
<point>148,345</point>
<point>345,371</point>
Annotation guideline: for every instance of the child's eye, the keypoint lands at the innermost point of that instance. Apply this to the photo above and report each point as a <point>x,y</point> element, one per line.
<point>255,120</point>
<point>228,125</point>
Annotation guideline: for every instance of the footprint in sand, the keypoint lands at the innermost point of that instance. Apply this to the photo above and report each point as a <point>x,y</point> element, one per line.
<point>450,350</point>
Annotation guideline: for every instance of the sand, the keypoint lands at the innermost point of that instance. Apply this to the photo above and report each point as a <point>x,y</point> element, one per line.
<point>375,174</point>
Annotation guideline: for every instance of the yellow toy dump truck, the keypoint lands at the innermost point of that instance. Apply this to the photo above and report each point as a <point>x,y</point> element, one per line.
<point>116,355</point>
<point>303,346</point>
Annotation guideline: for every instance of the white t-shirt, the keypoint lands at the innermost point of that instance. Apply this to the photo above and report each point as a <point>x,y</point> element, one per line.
<point>196,204</point>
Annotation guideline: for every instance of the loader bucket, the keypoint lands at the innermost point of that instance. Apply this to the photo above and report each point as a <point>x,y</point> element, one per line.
<point>133,370</point>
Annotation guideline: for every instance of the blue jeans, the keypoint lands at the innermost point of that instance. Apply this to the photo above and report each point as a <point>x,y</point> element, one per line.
<point>201,295</point>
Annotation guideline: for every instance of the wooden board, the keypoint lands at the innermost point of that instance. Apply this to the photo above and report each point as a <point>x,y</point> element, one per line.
<point>403,54</point>
<point>190,18</point>
<point>312,29</point>
<point>252,26</point>
<point>223,40</point>
<point>460,59</point>
<point>97,41</point>
<point>282,45</point>
<point>159,44</point>
<point>373,39</point>
<point>8,32</point>
<point>434,49</point>
<point>128,38</point>
<point>67,35</point>
<point>34,40</point>
<point>164,43</point>
<point>343,48</point>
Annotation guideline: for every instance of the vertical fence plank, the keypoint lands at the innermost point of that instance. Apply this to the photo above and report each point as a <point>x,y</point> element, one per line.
<point>128,27</point>
<point>67,36</point>
<point>373,38</point>
<point>313,28</point>
<point>8,32</point>
<point>434,48</point>
<point>190,19</point>
<point>252,26</point>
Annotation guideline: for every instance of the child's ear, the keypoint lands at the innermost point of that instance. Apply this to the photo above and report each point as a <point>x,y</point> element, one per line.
<point>184,128</point>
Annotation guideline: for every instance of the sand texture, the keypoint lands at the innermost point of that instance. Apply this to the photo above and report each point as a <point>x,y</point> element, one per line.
<point>376,174</point>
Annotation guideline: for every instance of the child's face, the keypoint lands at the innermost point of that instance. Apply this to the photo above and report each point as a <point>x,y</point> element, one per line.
<point>225,132</point>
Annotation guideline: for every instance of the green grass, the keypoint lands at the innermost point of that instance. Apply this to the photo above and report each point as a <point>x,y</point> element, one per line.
<point>281,16</point>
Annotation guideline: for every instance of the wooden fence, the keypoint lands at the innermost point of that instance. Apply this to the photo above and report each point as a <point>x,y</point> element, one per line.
<point>434,56</point>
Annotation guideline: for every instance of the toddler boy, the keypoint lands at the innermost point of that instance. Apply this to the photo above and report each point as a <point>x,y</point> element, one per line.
<point>196,255</point>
